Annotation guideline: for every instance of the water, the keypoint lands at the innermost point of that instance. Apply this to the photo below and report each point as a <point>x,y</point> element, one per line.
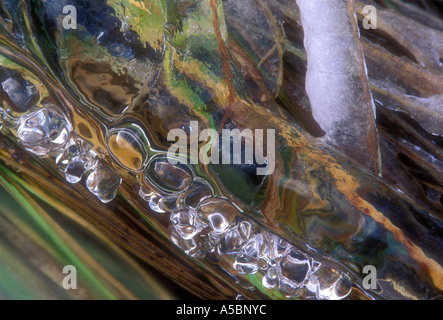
<point>95,104</point>
<point>200,223</point>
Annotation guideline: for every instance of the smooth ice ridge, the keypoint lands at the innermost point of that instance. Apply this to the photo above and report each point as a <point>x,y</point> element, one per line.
<point>203,225</point>
<point>208,227</point>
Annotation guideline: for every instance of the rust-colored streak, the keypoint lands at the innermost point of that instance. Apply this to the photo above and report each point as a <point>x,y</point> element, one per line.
<point>345,183</point>
<point>223,51</point>
<point>226,65</point>
<point>373,138</point>
<point>349,186</point>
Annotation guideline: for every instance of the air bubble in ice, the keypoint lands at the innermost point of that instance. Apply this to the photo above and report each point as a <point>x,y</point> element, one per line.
<point>234,238</point>
<point>145,193</point>
<point>58,129</point>
<point>330,284</point>
<point>154,203</point>
<point>153,199</point>
<point>245,229</point>
<point>270,279</point>
<point>247,260</point>
<point>169,178</point>
<point>186,224</point>
<point>33,135</point>
<point>21,93</point>
<point>75,170</point>
<point>103,183</point>
<point>218,222</point>
<point>281,247</point>
<point>44,131</point>
<point>198,192</point>
<point>189,246</point>
<point>75,148</point>
<point>71,150</point>
<point>294,269</point>
<point>62,161</point>
<point>231,242</point>
<point>245,264</point>
<point>34,140</point>
<point>219,212</point>
<point>170,204</point>
<point>128,146</point>
<point>295,266</point>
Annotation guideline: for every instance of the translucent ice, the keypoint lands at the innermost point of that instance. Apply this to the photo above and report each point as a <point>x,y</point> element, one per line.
<point>198,192</point>
<point>170,204</point>
<point>329,283</point>
<point>75,170</point>
<point>73,148</point>
<point>233,239</point>
<point>409,33</point>
<point>270,279</point>
<point>169,178</point>
<point>248,260</point>
<point>336,79</point>
<point>189,246</point>
<point>155,203</point>
<point>103,183</point>
<point>427,111</point>
<point>21,93</point>
<point>44,131</point>
<point>295,268</point>
<point>219,212</point>
<point>128,145</point>
<point>186,223</point>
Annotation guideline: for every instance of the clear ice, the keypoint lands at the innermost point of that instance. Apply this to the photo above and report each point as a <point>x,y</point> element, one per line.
<point>45,131</point>
<point>103,183</point>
